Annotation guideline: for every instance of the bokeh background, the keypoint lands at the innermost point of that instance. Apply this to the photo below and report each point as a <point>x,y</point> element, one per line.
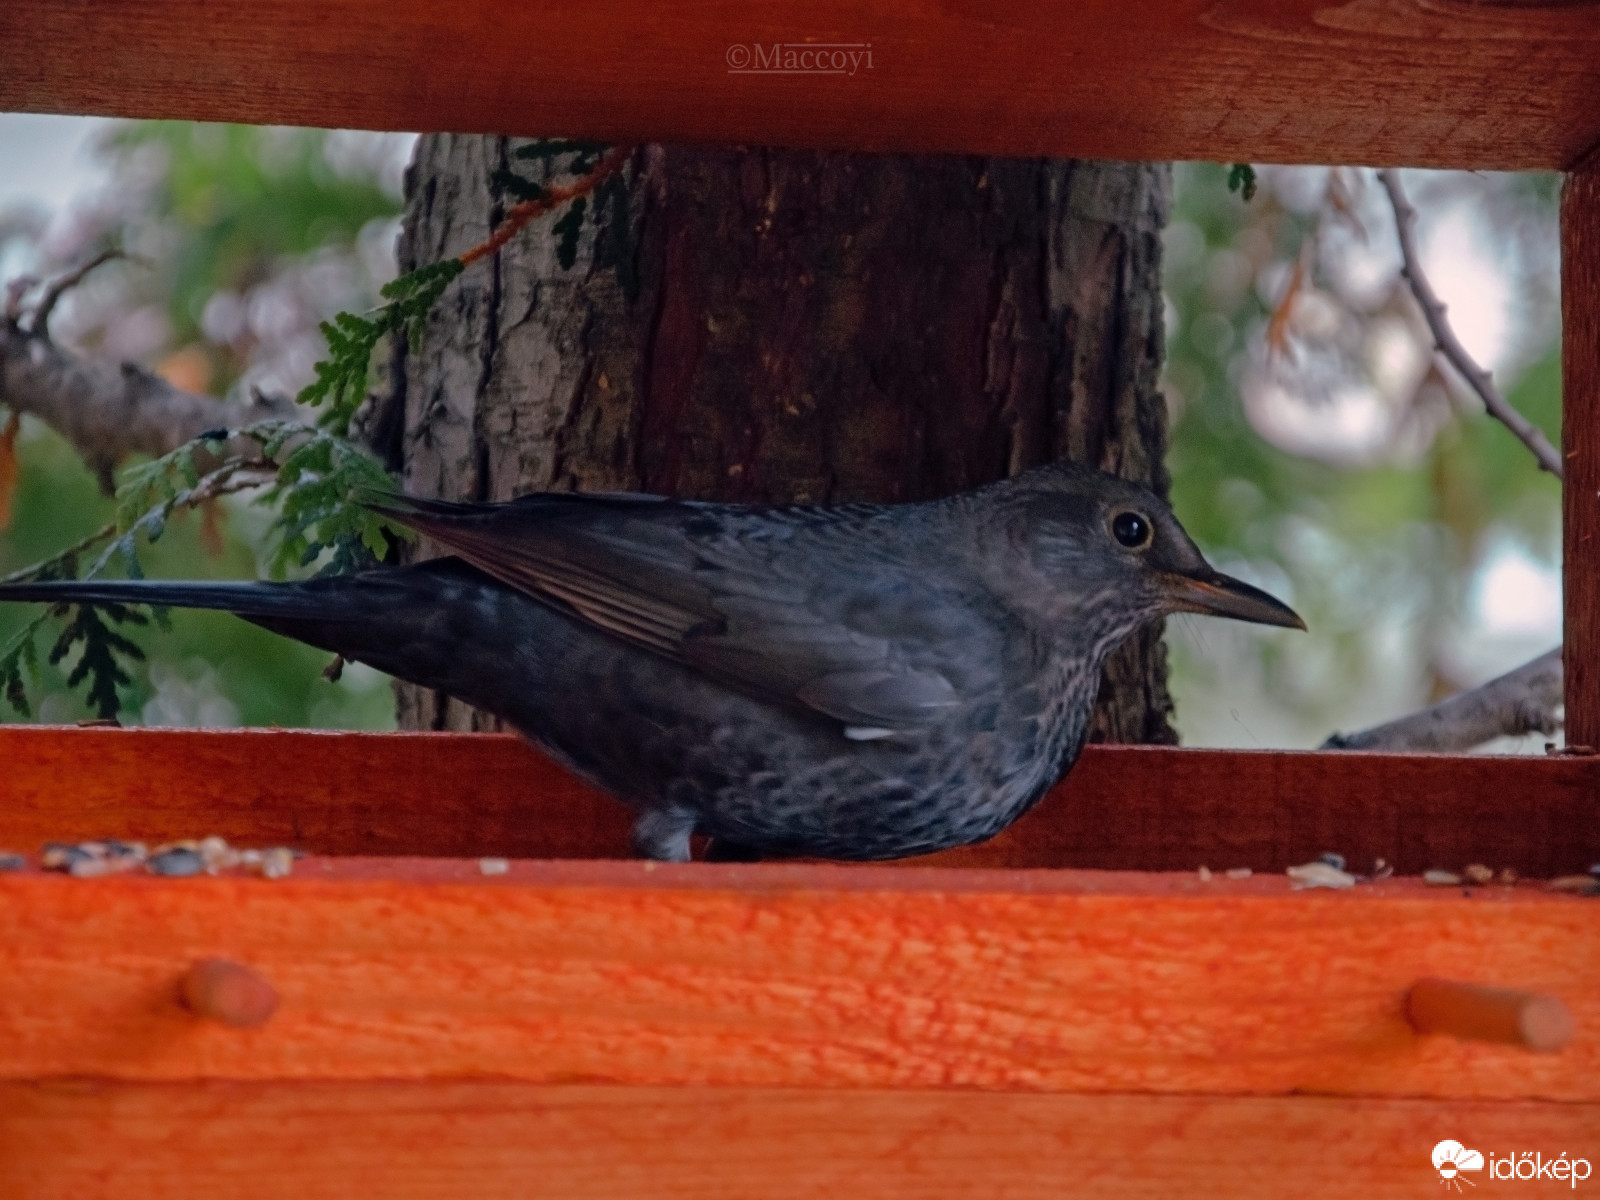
<point>1318,450</point>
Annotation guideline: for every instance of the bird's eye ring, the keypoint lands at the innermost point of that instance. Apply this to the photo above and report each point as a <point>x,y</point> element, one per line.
<point>1132,529</point>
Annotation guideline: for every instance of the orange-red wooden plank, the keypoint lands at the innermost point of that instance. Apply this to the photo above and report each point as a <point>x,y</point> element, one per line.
<point>1129,808</point>
<point>1402,83</point>
<point>796,976</point>
<point>1580,439</point>
<point>501,1141</point>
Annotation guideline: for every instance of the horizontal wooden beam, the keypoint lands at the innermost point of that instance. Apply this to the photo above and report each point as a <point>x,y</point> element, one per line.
<point>791,976</point>
<point>1403,83</point>
<point>503,1141</point>
<point>468,795</point>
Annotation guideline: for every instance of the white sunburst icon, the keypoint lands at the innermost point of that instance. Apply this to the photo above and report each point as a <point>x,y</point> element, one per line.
<point>1451,1158</point>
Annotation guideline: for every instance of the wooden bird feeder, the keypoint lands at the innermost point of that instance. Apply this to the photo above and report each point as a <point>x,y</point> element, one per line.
<point>1070,1009</point>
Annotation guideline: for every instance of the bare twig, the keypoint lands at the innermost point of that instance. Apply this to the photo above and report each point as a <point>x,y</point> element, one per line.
<point>1521,701</point>
<point>39,324</point>
<point>235,475</point>
<point>1529,698</point>
<point>1444,337</point>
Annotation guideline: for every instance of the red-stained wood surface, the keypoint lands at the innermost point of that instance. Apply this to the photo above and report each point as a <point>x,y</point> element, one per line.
<point>1128,808</point>
<point>502,1141</point>
<point>792,976</point>
<point>1580,439</point>
<point>1400,82</point>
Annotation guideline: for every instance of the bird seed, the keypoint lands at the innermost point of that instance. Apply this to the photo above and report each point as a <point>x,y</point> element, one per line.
<point>1319,874</point>
<point>177,861</point>
<point>1577,885</point>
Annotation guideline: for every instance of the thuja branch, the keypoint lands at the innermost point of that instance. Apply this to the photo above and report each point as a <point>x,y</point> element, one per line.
<point>1444,337</point>
<point>536,207</point>
<point>45,569</point>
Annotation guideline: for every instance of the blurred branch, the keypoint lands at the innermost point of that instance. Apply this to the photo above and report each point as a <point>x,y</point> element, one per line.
<point>1522,701</point>
<point>39,325</point>
<point>1444,337</point>
<point>108,411</point>
<point>16,291</point>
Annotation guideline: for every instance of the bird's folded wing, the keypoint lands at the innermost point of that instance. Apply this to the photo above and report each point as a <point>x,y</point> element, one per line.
<point>673,579</point>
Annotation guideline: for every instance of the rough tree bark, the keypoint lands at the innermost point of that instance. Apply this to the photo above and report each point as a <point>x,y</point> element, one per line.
<point>797,326</point>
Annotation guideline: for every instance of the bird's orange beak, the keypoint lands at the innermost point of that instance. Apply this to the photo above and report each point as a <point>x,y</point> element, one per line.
<point>1220,595</point>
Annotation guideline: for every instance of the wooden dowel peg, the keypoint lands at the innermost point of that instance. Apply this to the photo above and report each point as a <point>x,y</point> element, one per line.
<point>1488,1014</point>
<point>227,992</point>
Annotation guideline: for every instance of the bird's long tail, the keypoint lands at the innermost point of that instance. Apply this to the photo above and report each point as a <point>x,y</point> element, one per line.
<point>246,599</point>
<point>441,624</point>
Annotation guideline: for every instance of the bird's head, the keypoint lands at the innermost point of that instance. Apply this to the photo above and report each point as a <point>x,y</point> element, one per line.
<point>1106,555</point>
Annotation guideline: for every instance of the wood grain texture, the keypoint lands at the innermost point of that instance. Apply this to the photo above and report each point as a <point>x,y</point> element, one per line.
<point>1398,82</point>
<point>1580,443</point>
<point>799,976</point>
<point>1125,808</point>
<point>501,1141</point>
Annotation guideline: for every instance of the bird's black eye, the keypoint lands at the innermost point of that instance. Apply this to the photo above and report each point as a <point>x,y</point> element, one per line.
<point>1132,529</point>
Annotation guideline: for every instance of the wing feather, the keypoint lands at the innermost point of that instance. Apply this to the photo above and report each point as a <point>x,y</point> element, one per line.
<point>703,585</point>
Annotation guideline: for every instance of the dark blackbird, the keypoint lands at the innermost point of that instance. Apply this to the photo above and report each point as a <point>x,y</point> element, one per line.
<point>859,682</point>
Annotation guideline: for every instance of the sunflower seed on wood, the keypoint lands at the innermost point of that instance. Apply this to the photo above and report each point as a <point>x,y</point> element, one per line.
<point>1580,885</point>
<point>113,848</point>
<point>178,861</point>
<point>1238,872</point>
<point>1477,873</point>
<point>217,855</point>
<point>59,856</point>
<point>277,862</point>
<point>1441,878</point>
<point>12,862</point>
<point>1319,874</point>
<point>94,867</point>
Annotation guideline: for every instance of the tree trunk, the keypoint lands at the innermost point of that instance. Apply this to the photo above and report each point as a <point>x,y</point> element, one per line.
<point>792,326</point>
